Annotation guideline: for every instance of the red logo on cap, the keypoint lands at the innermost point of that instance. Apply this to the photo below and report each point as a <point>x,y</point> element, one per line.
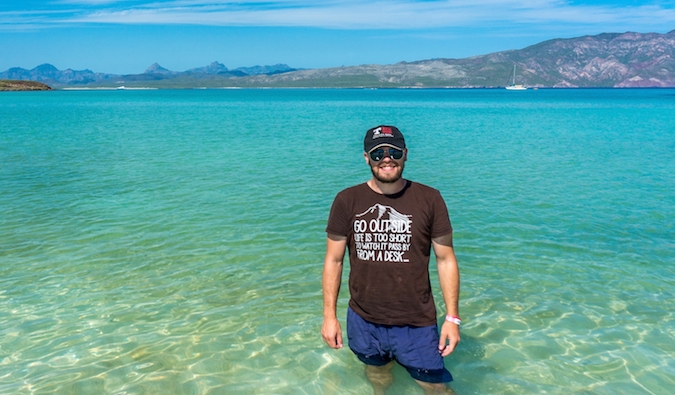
<point>386,130</point>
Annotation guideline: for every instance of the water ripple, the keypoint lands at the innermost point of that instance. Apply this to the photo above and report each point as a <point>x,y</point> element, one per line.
<point>172,242</point>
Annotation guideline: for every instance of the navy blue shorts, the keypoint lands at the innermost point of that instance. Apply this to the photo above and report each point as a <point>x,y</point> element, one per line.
<point>413,347</point>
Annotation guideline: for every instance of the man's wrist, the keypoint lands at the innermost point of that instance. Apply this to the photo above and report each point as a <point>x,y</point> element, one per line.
<point>453,319</point>
<point>330,317</point>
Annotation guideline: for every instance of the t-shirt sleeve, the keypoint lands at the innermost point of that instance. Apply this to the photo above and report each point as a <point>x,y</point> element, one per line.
<point>338,219</point>
<point>441,225</point>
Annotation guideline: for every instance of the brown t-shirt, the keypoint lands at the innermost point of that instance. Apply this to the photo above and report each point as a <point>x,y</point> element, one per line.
<point>389,242</point>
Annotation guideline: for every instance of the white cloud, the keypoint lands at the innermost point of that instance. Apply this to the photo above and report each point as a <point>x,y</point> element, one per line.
<point>91,2</point>
<point>347,14</point>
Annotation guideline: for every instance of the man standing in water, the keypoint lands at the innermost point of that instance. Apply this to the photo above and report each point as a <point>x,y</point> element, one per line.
<point>390,225</point>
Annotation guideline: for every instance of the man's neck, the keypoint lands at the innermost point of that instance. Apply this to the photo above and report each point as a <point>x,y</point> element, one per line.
<point>386,188</point>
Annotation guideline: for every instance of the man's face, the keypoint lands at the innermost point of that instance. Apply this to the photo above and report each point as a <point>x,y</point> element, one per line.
<point>387,169</point>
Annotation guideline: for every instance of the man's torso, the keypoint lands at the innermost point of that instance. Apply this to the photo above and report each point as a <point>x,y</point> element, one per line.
<point>389,241</point>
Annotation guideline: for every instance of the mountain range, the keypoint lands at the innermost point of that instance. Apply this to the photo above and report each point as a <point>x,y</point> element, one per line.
<point>620,60</point>
<point>153,75</point>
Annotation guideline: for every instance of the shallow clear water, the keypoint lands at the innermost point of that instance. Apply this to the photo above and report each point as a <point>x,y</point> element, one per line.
<point>172,241</point>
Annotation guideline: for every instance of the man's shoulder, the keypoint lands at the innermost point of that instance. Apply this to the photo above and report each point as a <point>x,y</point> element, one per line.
<point>423,188</point>
<point>358,188</point>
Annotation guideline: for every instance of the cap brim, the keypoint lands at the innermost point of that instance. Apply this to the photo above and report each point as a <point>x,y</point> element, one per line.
<point>385,145</point>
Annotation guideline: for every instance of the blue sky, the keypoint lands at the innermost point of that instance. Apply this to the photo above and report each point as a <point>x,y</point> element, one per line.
<point>127,36</point>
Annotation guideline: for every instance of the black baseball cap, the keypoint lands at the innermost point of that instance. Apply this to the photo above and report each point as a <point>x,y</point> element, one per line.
<point>383,135</point>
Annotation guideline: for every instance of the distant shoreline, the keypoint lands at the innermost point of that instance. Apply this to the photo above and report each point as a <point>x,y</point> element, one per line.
<point>495,88</point>
<point>26,86</point>
<point>110,88</point>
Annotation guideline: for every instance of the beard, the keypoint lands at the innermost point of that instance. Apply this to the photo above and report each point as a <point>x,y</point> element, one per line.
<point>388,178</point>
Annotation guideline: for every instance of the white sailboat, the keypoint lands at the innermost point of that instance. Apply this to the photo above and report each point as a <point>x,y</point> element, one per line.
<point>514,86</point>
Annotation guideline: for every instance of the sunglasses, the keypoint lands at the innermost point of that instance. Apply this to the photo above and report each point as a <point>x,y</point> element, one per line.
<point>378,154</point>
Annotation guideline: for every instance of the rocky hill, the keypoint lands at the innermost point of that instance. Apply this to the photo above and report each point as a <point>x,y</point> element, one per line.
<point>11,85</point>
<point>604,60</point>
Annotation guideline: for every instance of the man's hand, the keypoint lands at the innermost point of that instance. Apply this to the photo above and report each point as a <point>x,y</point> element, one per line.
<point>449,338</point>
<point>330,283</point>
<point>448,274</point>
<point>332,333</point>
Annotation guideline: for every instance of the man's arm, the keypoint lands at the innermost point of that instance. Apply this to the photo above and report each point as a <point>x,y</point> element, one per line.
<point>331,279</point>
<point>448,274</point>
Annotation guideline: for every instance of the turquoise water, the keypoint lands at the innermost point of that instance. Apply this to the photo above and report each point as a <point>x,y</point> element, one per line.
<point>172,241</point>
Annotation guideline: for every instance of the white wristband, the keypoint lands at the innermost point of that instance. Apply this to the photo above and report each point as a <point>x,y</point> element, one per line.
<point>455,320</point>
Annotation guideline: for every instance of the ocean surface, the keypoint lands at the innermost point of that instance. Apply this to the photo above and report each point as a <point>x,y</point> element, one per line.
<point>172,241</point>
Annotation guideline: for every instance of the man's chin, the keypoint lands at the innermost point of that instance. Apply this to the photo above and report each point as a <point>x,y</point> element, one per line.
<point>388,180</point>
